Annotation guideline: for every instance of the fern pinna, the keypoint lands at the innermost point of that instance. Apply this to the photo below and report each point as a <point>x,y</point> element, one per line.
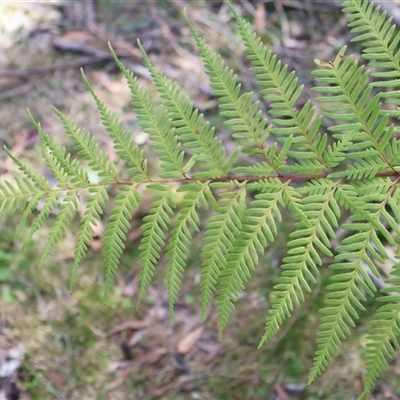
<point>353,167</point>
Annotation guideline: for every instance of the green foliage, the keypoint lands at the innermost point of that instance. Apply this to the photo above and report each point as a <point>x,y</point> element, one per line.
<point>345,178</point>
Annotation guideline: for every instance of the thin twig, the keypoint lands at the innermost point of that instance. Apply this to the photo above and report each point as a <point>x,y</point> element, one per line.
<point>26,73</point>
<point>17,91</point>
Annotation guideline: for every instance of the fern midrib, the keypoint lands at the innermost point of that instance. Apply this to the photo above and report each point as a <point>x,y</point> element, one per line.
<point>241,178</point>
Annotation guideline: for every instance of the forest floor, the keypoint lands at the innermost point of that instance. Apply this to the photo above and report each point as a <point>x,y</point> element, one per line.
<point>78,346</point>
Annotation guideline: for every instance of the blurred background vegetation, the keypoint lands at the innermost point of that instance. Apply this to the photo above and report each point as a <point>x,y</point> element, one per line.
<point>76,346</point>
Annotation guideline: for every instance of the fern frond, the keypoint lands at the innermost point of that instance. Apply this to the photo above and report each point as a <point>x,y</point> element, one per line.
<point>244,116</point>
<point>94,208</point>
<point>154,120</point>
<point>49,205</point>
<point>258,228</point>
<point>282,91</point>
<point>337,152</point>
<point>383,336</point>
<point>393,152</point>
<point>59,164</point>
<point>32,204</point>
<point>64,218</point>
<point>53,164</point>
<point>40,182</point>
<point>155,222</point>
<point>114,235</point>
<point>181,236</point>
<point>351,172</point>
<point>342,305</point>
<point>218,238</point>
<point>345,297</point>
<point>354,107</point>
<point>198,137</point>
<point>364,169</point>
<point>380,40</point>
<point>262,170</point>
<point>301,265</point>
<point>15,197</point>
<point>123,142</point>
<point>29,189</point>
<point>88,149</point>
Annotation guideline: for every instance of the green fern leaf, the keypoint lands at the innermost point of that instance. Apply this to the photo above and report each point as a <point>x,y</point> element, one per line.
<point>353,104</point>
<point>198,137</point>
<point>155,121</point>
<point>181,237</point>
<point>244,116</point>
<point>280,88</point>
<point>218,238</point>
<point>95,204</point>
<point>343,180</point>
<point>59,164</point>
<point>37,180</point>
<point>15,197</point>
<point>258,228</point>
<point>49,205</point>
<point>124,145</point>
<point>380,40</point>
<point>64,218</point>
<point>114,235</point>
<point>321,213</point>
<point>260,170</point>
<point>32,205</point>
<point>345,297</point>
<point>364,169</point>
<point>383,336</point>
<point>88,149</point>
<point>153,235</point>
